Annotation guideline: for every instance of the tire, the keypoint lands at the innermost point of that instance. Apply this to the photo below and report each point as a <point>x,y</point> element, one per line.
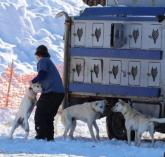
<point>115,125</point>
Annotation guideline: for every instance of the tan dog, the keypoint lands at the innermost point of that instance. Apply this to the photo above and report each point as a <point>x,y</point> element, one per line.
<point>27,104</point>
<point>87,112</point>
<point>136,121</point>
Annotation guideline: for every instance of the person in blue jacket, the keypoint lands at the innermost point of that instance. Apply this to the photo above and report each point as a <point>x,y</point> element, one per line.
<point>51,96</point>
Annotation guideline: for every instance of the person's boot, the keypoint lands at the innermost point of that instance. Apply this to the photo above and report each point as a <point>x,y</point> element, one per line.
<point>50,139</point>
<point>39,137</point>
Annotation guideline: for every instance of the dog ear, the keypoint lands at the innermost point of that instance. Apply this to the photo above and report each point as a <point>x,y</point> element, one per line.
<point>120,100</point>
<point>129,103</point>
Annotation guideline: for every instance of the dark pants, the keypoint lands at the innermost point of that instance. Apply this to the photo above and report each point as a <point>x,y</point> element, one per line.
<point>47,107</point>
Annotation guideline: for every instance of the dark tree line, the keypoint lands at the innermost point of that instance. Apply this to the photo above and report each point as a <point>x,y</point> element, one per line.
<point>95,2</point>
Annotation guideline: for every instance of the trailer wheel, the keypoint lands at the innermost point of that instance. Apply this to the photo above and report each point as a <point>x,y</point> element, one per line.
<point>116,126</point>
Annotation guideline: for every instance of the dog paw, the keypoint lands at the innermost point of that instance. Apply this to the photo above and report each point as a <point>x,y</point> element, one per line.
<point>98,138</point>
<point>95,140</point>
<point>26,138</point>
<point>129,143</point>
<point>71,138</point>
<point>64,137</point>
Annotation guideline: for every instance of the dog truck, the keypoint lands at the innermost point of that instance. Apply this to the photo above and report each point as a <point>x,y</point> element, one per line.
<point>117,51</point>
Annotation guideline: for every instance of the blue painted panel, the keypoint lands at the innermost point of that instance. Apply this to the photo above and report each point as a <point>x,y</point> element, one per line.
<point>115,90</point>
<point>103,11</point>
<point>117,53</point>
<point>112,18</point>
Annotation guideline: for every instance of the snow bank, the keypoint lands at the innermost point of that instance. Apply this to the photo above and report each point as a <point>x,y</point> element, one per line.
<point>25,24</point>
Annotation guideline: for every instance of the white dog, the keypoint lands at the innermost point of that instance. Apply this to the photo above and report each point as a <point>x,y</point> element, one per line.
<point>136,121</point>
<point>27,104</point>
<point>87,112</point>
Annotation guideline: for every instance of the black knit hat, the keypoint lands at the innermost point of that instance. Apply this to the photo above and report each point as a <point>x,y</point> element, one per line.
<point>42,51</point>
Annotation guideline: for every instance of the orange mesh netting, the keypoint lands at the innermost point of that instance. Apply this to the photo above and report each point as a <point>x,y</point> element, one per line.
<point>13,86</point>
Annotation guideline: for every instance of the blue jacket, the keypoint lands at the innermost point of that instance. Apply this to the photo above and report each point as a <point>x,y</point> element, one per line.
<point>48,76</point>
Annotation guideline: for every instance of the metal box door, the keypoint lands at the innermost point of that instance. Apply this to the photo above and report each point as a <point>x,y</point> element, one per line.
<point>134,73</point>
<point>96,71</point>
<point>79,34</point>
<point>115,72</point>
<point>118,39</point>
<point>154,36</point>
<point>97,35</point>
<point>135,36</point>
<point>78,70</point>
<point>153,74</point>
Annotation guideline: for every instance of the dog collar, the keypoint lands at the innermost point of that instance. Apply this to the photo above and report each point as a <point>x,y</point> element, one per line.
<point>125,113</point>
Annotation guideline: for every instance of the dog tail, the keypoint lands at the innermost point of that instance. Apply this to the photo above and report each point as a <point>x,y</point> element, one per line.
<point>158,120</point>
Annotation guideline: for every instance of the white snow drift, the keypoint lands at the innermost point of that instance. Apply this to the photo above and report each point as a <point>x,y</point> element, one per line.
<point>25,24</point>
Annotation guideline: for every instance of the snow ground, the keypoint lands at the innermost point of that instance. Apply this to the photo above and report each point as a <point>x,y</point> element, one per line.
<point>25,24</point>
<point>82,146</point>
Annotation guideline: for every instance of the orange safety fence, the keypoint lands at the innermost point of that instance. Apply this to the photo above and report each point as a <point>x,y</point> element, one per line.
<point>14,85</point>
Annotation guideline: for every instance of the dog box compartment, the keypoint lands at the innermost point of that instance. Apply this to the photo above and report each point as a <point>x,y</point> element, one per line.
<point>79,34</point>
<point>77,69</point>
<point>97,34</point>
<point>117,35</point>
<point>115,72</point>
<point>135,36</point>
<point>153,74</point>
<point>134,73</point>
<point>96,70</point>
<point>153,36</point>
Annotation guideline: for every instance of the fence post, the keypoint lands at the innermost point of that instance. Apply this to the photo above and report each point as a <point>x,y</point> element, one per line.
<point>9,85</point>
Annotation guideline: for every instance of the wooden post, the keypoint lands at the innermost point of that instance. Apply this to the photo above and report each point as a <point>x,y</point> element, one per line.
<point>9,85</point>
